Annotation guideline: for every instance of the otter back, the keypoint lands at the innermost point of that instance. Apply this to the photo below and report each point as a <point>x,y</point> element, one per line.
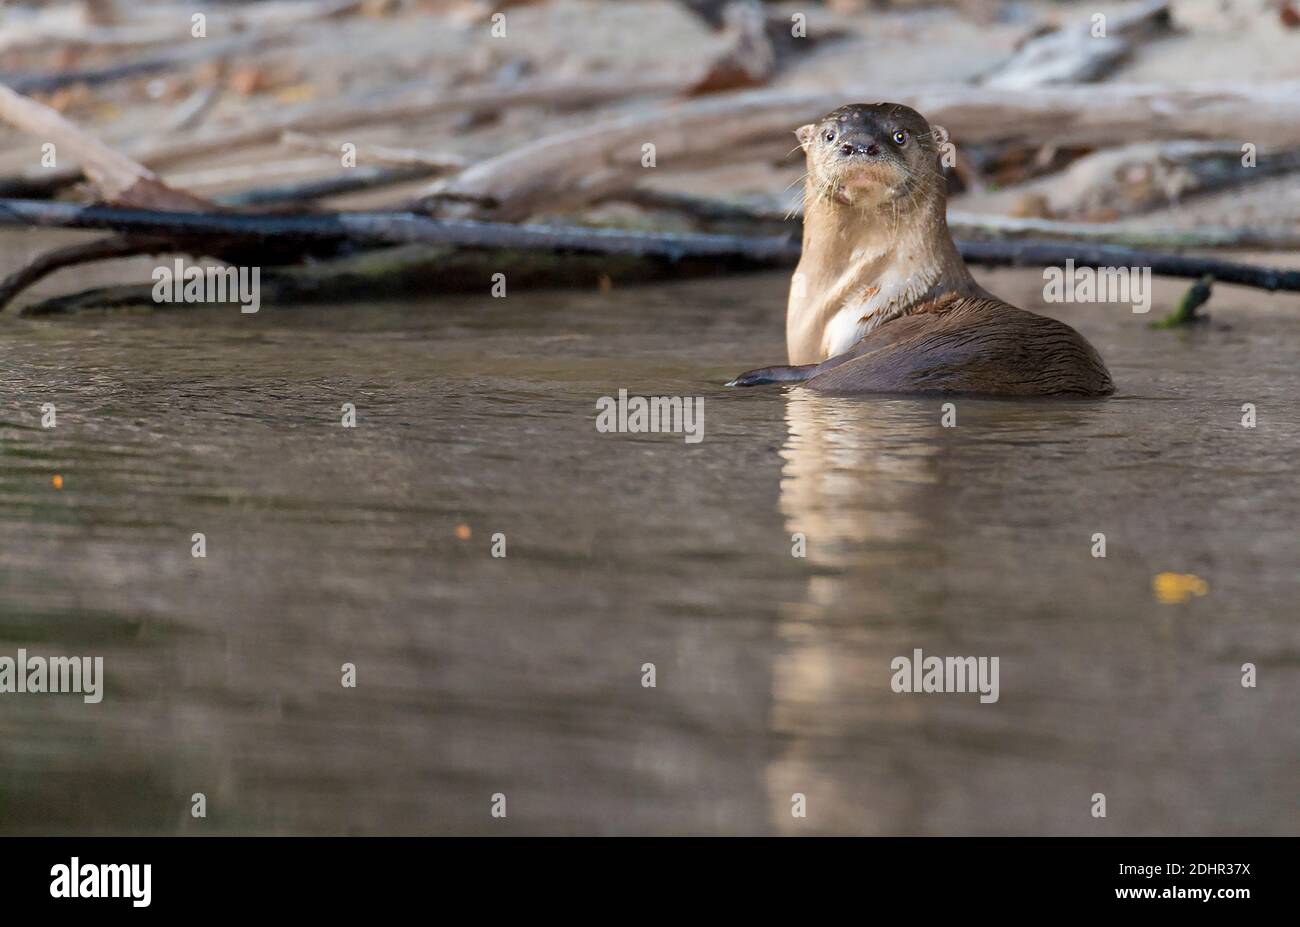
<point>978,346</point>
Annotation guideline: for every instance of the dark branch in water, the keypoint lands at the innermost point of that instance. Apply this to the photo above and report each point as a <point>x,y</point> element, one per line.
<point>1048,253</point>
<point>88,252</point>
<point>288,238</point>
<point>280,239</point>
<point>387,228</point>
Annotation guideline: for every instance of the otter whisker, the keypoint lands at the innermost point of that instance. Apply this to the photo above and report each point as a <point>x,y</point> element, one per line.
<point>801,177</point>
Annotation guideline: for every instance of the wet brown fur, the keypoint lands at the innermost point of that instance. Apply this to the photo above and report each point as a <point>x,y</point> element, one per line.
<point>971,345</point>
<point>875,218</point>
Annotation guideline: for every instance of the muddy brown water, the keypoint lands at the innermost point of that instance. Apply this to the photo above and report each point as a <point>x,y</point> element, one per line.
<point>523,675</point>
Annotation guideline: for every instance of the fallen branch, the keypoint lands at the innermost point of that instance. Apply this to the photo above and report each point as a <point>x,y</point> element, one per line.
<point>1074,54</point>
<point>353,180</point>
<point>440,162</point>
<point>387,228</point>
<point>334,116</point>
<point>768,212</point>
<point>576,167</point>
<point>1149,175</point>
<point>185,56</point>
<point>280,239</point>
<point>408,271</point>
<point>269,240</point>
<point>74,27</point>
<point>118,178</point>
<point>1048,254</point>
<point>88,252</point>
<point>39,184</point>
<point>1006,228</point>
<point>240,175</point>
<point>196,108</point>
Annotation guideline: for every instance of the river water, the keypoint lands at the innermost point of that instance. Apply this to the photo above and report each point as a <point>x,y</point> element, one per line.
<point>522,676</point>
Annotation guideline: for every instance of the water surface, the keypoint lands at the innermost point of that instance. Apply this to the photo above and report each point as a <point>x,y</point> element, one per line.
<point>523,676</point>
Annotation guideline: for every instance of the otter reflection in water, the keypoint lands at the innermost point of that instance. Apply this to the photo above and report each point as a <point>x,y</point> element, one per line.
<point>882,301</point>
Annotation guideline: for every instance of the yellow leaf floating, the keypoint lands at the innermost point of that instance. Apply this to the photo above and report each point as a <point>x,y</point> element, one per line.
<point>1177,588</point>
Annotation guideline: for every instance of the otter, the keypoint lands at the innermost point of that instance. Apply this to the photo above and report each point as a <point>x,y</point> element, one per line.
<point>882,302</point>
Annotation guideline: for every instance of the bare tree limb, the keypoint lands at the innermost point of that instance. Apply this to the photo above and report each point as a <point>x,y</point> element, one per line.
<point>770,212</point>
<point>333,116</point>
<point>1006,228</point>
<point>1049,253</point>
<point>439,162</point>
<point>118,178</point>
<point>353,180</point>
<point>385,228</point>
<point>295,235</point>
<point>1074,54</point>
<point>174,59</point>
<point>576,167</point>
<point>88,252</point>
<point>72,26</point>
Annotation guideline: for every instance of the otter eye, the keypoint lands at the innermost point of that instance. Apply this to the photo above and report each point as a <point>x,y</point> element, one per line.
<point>900,137</point>
<point>830,136</point>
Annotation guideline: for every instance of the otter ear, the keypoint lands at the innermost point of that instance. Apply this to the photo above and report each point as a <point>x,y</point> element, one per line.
<point>805,135</point>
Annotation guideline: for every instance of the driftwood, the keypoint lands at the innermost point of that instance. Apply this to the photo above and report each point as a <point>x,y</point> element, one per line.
<point>118,178</point>
<point>297,234</point>
<point>1137,178</point>
<point>183,57</point>
<point>332,116</point>
<point>352,180</point>
<point>1075,54</point>
<point>601,159</point>
<point>409,271</point>
<point>39,184</point>
<point>1049,253</point>
<point>101,249</point>
<point>573,168</point>
<point>71,25</point>
<point>239,175</point>
<point>765,210</point>
<point>387,228</point>
<point>1005,228</point>
<point>440,162</point>
<point>769,213</point>
<point>195,108</point>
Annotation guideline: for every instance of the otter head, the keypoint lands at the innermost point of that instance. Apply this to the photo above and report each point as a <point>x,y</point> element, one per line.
<point>870,155</point>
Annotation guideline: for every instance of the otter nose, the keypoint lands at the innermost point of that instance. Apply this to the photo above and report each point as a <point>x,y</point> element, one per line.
<point>870,150</point>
